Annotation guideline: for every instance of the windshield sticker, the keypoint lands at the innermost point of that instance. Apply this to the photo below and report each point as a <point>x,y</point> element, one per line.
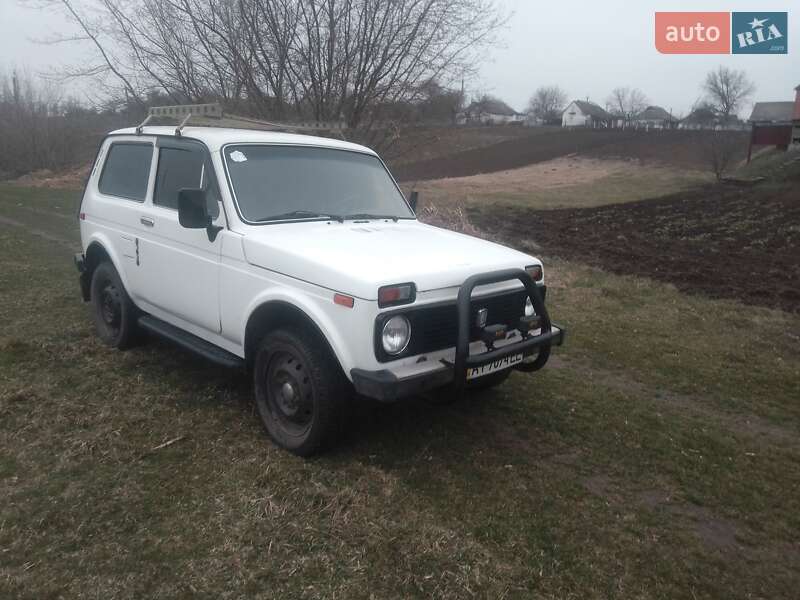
<point>238,156</point>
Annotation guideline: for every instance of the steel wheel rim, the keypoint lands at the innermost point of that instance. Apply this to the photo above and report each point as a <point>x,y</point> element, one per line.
<point>110,306</point>
<point>290,396</point>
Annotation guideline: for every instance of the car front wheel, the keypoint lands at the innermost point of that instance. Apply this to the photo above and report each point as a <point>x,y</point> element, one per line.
<point>300,392</point>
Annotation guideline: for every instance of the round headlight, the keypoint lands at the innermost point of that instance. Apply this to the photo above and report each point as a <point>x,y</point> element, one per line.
<point>396,333</point>
<point>529,312</point>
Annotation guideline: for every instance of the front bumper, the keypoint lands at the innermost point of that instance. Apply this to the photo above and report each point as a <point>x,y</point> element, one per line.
<point>386,385</point>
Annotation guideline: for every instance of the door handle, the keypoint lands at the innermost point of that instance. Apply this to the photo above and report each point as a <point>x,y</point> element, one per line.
<point>147,221</point>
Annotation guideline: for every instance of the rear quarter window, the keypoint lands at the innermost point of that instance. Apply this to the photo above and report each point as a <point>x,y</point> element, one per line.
<point>126,170</point>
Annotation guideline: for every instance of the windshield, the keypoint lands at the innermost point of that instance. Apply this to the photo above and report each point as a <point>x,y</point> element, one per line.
<point>273,183</point>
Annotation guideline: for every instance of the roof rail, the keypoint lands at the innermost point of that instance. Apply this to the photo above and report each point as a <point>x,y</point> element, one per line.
<point>214,111</point>
<point>186,111</point>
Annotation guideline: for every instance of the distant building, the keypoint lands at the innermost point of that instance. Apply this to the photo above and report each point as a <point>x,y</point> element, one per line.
<point>532,120</point>
<point>700,118</point>
<point>619,121</point>
<point>654,117</point>
<point>706,117</point>
<point>796,117</point>
<point>771,124</point>
<point>772,113</point>
<point>490,111</point>
<point>582,113</point>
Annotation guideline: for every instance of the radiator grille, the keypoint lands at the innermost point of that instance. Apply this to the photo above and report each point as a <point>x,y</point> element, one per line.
<point>436,328</point>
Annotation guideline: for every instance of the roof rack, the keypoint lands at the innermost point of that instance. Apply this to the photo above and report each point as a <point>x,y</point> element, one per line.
<point>214,111</point>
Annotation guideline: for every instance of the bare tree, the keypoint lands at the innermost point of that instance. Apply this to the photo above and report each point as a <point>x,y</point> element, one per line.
<point>727,89</point>
<point>439,104</point>
<point>547,103</point>
<point>106,63</point>
<point>349,60</point>
<point>626,102</point>
<point>722,149</point>
<point>40,129</point>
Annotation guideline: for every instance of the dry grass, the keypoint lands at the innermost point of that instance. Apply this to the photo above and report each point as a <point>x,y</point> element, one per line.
<point>448,216</point>
<point>558,173</point>
<point>657,456</point>
<point>73,178</point>
<point>567,182</point>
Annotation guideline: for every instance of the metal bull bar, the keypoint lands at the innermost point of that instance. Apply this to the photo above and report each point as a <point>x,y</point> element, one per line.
<point>463,361</point>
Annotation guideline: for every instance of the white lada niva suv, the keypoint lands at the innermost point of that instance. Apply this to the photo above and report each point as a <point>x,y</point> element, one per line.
<point>299,259</point>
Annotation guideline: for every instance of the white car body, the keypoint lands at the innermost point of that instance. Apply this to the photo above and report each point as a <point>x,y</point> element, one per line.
<point>212,288</point>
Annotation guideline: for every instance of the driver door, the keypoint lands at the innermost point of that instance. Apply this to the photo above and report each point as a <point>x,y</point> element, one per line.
<point>179,267</point>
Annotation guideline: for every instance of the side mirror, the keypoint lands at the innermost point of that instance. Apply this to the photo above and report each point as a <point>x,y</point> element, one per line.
<point>193,212</point>
<point>192,209</point>
<point>413,199</point>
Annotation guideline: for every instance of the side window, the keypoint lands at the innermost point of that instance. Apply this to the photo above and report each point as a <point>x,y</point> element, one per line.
<point>126,170</point>
<point>180,168</point>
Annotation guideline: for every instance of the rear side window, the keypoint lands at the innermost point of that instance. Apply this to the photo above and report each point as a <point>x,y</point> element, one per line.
<point>126,171</point>
<point>180,168</point>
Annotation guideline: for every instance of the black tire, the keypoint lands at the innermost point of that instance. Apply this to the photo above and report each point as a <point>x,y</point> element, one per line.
<point>112,309</point>
<point>301,394</point>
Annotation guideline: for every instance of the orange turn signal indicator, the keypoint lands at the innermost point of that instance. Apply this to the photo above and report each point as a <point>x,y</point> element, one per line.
<point>343,300</point>
<point>394,295</point>
<point>535,271</point>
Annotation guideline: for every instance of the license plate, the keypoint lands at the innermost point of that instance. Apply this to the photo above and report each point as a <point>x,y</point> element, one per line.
<point>494,366</point>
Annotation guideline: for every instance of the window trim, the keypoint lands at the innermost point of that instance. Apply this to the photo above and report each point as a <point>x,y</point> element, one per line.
<point>163,138</point>
<point>106,156</point>
<point>244,220</point>
<point>186,146</point>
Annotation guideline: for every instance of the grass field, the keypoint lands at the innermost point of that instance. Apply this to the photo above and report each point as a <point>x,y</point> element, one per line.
<point>570,182</point>
<point>656,457</point>
<point>678,149</point>
<point>417,144</point>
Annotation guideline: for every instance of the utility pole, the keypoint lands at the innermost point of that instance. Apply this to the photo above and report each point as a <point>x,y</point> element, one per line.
<point>462,103</point>
<point>15,87</point>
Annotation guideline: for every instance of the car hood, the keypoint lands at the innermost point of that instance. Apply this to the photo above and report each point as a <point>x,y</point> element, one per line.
<point>358,258</point>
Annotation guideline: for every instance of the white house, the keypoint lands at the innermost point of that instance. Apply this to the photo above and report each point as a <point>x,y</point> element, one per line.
<point>702,117</point>
<point>582,113</point>
<point>490,111</point>
<point>654,117</point>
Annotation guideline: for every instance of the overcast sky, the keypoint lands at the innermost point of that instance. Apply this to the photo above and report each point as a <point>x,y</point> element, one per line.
<point>587,48</point>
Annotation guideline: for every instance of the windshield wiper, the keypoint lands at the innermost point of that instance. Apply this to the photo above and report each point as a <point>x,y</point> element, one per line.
<point>302,214</point>
<point>371,216</point>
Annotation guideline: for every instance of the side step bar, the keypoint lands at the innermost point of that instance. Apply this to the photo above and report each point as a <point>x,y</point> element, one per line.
<point>190,342</point>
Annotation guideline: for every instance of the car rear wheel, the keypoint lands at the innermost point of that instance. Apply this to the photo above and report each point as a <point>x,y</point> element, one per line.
<point>113,311</point>
<point>300,391</point>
